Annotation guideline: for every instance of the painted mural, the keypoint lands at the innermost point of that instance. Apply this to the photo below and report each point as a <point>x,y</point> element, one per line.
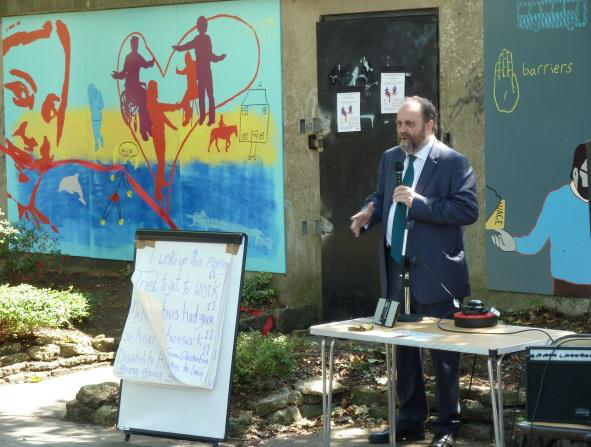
<point>538,128</point>
<point>161,117</point>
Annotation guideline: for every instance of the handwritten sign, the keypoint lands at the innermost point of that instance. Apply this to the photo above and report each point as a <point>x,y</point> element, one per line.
<point>173,331</point>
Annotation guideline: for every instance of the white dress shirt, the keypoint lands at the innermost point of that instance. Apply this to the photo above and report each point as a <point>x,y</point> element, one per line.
<point>419,162</point>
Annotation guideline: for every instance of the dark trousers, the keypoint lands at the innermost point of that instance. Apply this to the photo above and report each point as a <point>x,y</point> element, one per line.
<point>410,383</point>
<point>205,86</point>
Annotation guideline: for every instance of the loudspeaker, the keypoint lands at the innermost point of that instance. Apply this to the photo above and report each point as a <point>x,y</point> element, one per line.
<point>559,384</point>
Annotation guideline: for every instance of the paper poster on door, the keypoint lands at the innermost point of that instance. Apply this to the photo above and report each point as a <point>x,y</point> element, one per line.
<point>392,91</point>
<point>348,105</point>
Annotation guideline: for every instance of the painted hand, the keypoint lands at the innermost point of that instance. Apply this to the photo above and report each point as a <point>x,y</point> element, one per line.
<point>361,219</point>
<point>506,86</point>
<point>503,240</point>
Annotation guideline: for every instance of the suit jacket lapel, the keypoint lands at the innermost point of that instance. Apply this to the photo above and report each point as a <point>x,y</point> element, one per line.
<point>430,164</point>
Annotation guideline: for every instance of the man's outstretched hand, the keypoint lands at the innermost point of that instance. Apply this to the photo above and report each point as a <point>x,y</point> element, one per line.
<point>361,219</point>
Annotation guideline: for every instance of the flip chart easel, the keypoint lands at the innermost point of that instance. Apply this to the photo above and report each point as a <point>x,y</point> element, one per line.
<point>176,353</point>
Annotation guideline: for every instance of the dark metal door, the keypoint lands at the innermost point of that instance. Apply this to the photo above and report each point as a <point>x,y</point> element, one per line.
<point>352,52</point>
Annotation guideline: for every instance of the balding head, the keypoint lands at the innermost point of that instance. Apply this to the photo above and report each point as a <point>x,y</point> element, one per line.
<point>426,108</point>
<point>415,123</point>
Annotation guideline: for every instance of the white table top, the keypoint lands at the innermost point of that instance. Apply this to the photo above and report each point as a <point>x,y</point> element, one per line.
<point>502,338</point>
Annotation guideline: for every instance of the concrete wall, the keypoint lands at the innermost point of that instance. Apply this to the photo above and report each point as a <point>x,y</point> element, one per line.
<point>461,99</point>
<point>462,115</point>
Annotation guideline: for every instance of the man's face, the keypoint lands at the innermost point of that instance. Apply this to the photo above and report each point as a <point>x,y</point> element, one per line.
<point>412,131</point>
<point>37,61</point>
<point>581,178</point>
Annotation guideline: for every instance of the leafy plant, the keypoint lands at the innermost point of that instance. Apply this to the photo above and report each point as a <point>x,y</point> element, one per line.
<point>261,359</point>
<point>27,252</point>
<point>258,290</point>
<point>25,308</point>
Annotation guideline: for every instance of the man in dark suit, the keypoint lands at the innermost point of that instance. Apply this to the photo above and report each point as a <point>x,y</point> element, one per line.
<point>439,198</point>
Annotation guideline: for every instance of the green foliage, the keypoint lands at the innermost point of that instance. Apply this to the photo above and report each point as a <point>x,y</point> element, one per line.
<point>261,359</point>
<point>24,308</point>
<point>258,290</point>
<point>27,252</point>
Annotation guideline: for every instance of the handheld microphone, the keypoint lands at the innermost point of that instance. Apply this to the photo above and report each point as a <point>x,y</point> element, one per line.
<point>398,169</point>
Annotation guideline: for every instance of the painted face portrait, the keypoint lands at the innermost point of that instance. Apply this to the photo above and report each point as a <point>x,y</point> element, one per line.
<point>579,172</point>
<point>36,98</point>
<point>582,181</point>
<point>127,149</point>
<point>36,91</point>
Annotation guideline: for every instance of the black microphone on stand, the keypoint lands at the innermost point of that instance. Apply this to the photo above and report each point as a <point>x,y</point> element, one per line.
<point>402,280</point>
<point>387,310</point>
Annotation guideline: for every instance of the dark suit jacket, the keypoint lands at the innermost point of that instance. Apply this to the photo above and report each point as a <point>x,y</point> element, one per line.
<point>435,242</point>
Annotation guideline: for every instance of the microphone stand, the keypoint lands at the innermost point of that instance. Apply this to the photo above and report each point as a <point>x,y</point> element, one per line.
<point>404,281</point>
<point>387,309</point>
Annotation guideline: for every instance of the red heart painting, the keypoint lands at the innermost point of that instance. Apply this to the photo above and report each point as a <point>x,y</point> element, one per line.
<point>140,103</point>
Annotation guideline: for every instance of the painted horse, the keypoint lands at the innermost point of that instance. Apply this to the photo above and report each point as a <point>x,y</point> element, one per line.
<point>222,133</point>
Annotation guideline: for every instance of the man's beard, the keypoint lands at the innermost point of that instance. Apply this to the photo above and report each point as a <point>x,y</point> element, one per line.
<point>582,190</point>
<point>413,142</point>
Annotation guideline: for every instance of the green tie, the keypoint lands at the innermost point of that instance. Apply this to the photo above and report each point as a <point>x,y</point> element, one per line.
<point>400,215</point>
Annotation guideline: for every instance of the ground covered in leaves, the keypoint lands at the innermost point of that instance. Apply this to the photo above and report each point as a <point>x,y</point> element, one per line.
<point>354,364</point>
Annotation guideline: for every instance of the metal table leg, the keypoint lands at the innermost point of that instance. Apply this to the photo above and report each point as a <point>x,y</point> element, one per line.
<point>391,375</point>
<point>496,396</point>
<point>327,395</point>
<point>500,402</point>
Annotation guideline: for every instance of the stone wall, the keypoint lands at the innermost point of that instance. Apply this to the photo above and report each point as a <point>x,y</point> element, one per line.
<point>53,355</point>
<point>97,404</point>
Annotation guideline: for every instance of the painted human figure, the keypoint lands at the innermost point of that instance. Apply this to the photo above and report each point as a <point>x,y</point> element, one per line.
<point>135,91</point>
<point>127,150</point>
<point>204,56</point>
<point>564,222</point>
<point>191,93</point>
<point>95,101</point>
<point>159,121</point>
